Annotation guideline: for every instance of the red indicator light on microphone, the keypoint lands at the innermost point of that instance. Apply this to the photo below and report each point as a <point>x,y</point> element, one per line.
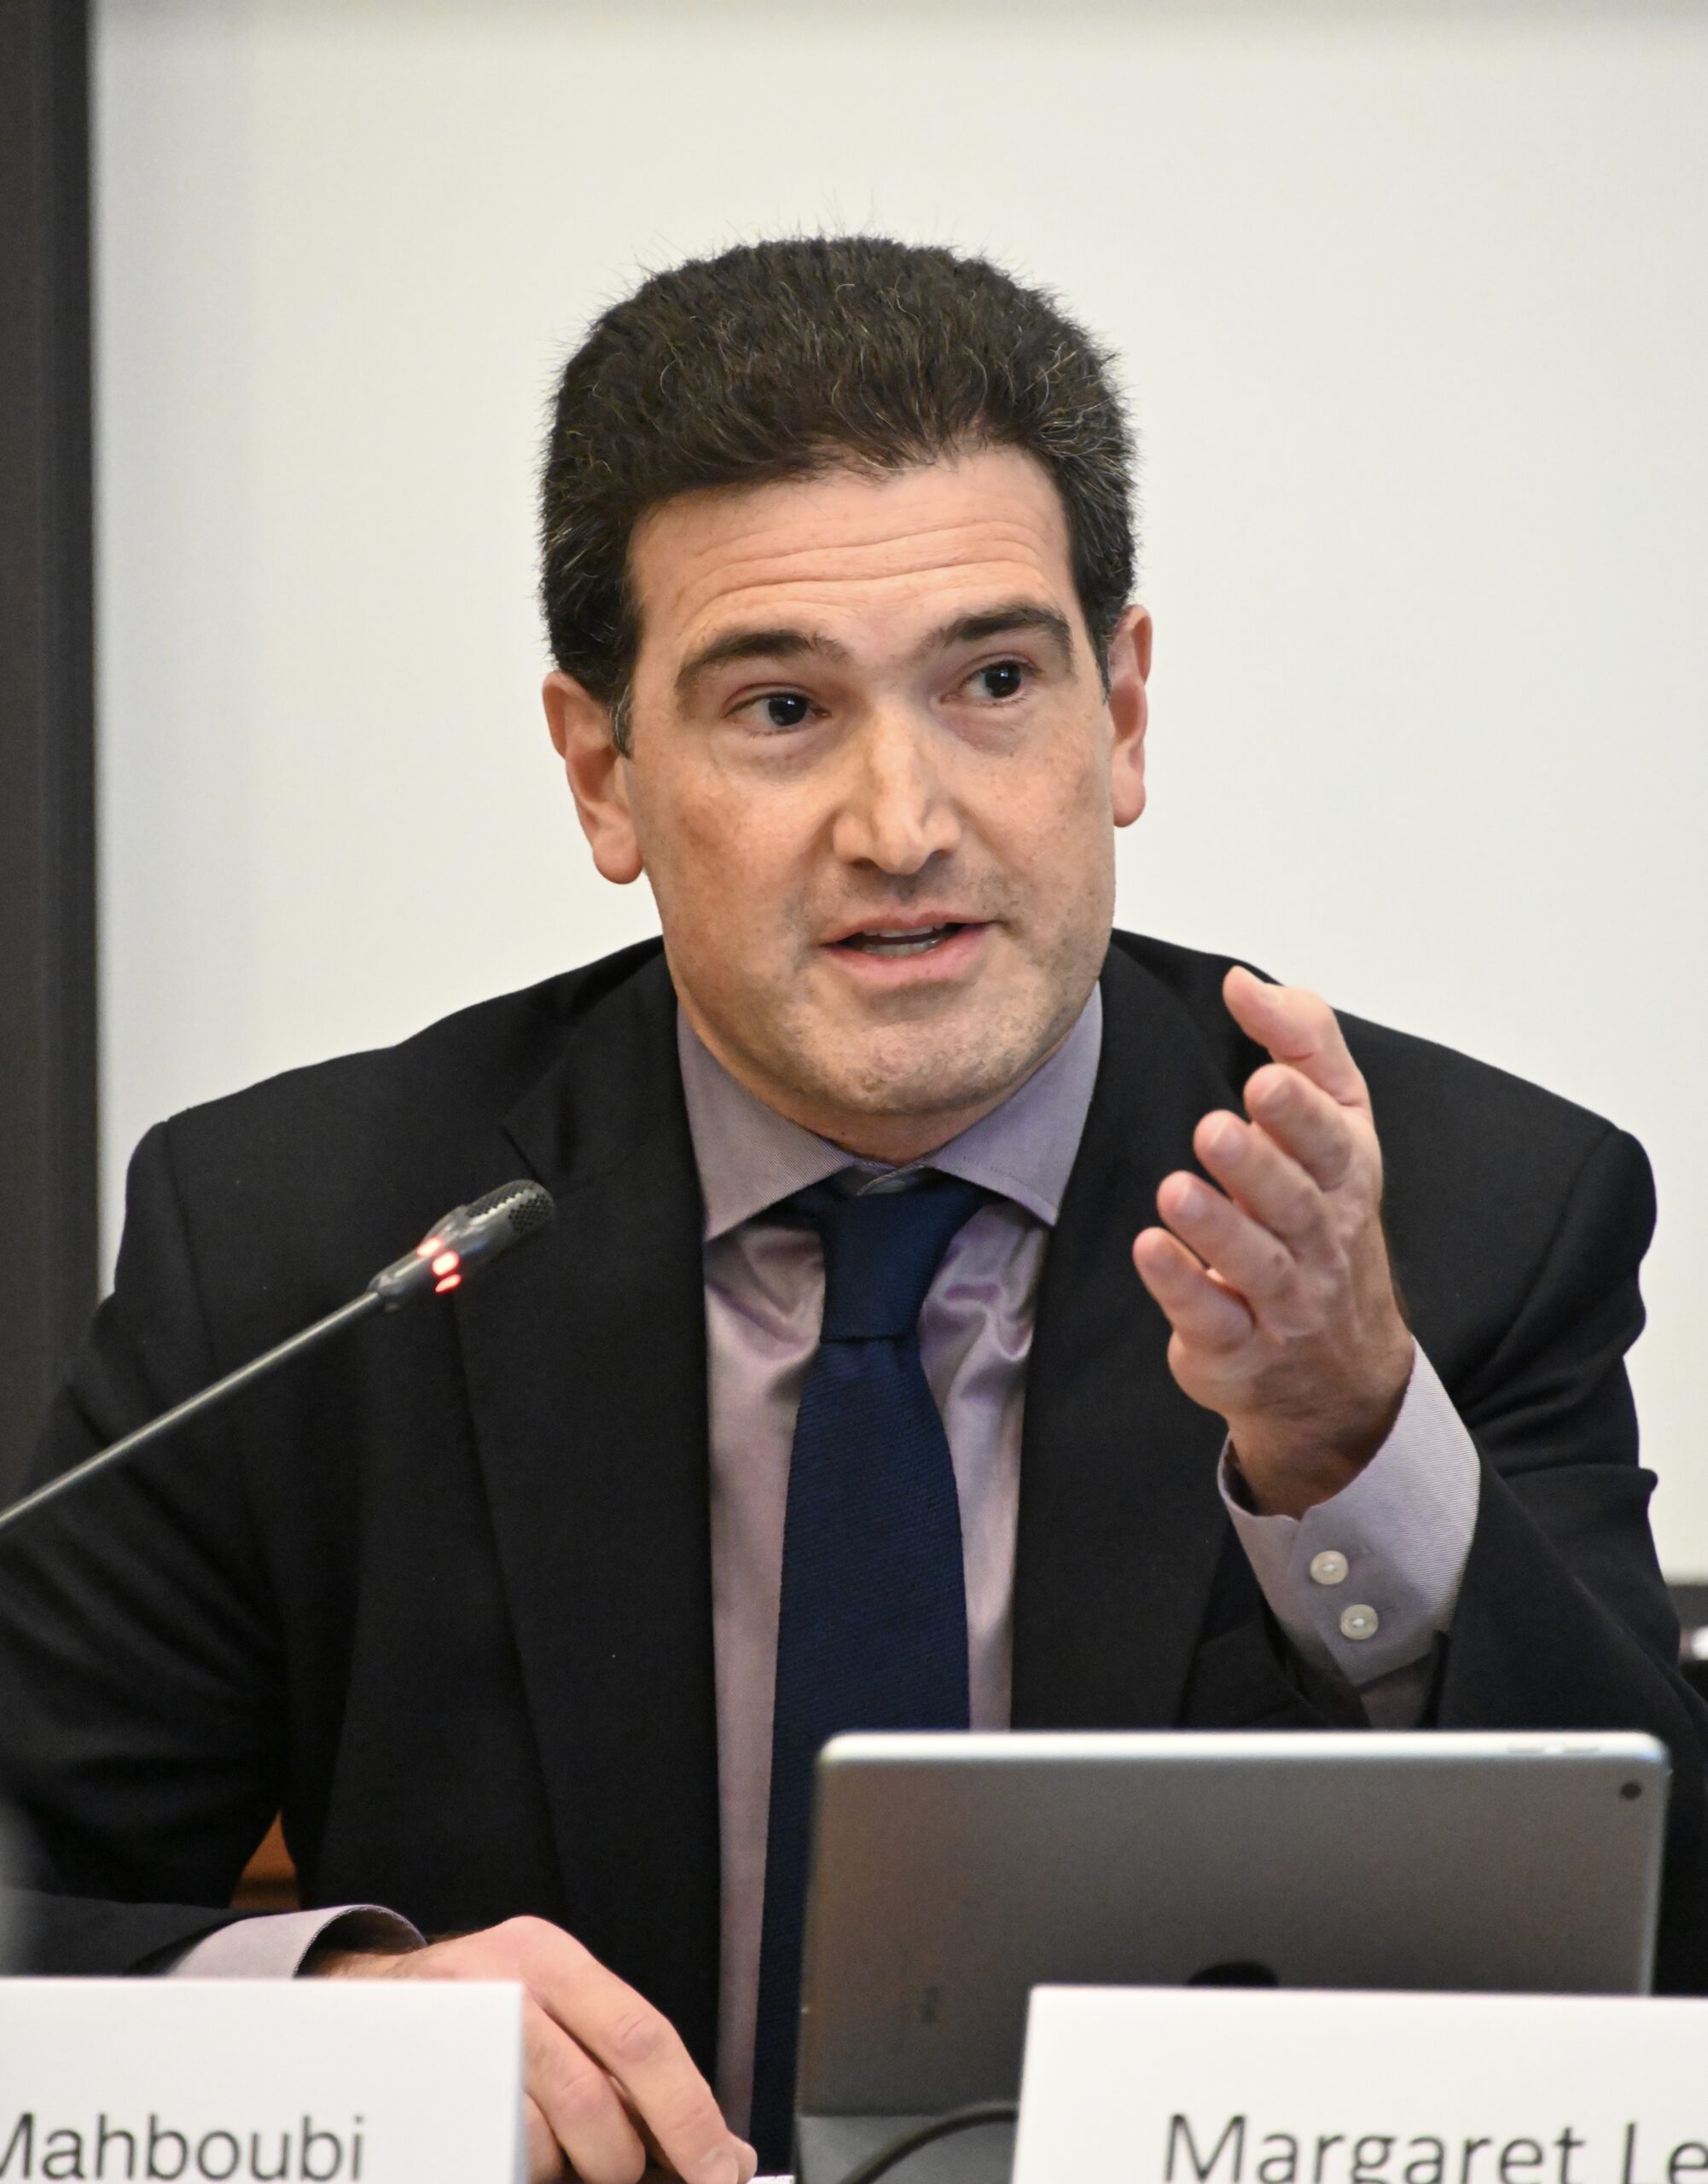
<point>428,1246</point>
<point>447,1262</point>
<point>447,1283</point>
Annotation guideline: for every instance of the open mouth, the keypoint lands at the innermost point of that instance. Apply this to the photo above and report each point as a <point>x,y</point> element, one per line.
<point>918,940</point>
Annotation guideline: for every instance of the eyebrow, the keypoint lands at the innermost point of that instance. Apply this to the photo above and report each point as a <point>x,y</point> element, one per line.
<point>1011,617</point>
<point>755,644</point>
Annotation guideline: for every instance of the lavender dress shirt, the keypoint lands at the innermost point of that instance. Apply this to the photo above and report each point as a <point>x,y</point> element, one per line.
<point>1363,1585</point>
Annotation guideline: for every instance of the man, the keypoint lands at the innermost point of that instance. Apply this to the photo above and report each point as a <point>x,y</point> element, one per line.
<point>1255,1368</point>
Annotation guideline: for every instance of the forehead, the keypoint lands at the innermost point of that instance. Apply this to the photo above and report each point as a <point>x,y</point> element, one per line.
<point>855,554</point>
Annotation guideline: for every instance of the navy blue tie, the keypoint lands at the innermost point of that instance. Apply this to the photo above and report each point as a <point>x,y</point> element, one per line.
<point>873,1629</point>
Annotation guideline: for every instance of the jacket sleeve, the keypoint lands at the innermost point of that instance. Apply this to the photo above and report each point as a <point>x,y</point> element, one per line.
<point>1563,1619</point>
<point>139,1660</point>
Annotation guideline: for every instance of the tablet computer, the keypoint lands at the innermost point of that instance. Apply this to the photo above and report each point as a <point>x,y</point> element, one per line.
<point>953,1873</point>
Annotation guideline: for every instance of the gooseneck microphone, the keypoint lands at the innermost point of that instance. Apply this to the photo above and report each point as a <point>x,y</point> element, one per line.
<point>468,1238</point>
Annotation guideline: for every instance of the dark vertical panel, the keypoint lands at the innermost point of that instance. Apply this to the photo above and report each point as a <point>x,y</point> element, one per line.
<point>1691,1602</point>
<point>48,1242</point>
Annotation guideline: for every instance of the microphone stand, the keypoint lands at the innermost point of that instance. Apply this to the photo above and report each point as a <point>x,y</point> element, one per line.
<point>467,1238</point>
<point>192,1407</point>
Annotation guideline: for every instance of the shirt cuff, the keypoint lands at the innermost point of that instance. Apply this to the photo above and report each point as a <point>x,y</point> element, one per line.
<point>1365,1583</point>
<point>274,1947</point>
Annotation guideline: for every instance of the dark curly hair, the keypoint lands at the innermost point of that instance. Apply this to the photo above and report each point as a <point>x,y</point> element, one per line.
<point>778,359</point>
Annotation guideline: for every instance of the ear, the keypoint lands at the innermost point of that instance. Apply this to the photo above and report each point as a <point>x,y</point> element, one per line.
<point>597,773</point>
<point>1130,663</point>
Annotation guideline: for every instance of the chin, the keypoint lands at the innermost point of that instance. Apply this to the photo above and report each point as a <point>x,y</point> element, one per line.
<point>928,1076</point>
<point>954,1064</point>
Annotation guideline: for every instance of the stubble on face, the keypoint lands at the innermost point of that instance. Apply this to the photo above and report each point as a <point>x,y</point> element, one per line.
<point>922,1057</point>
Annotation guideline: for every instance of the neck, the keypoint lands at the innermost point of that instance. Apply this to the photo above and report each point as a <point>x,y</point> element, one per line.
<point>894,1140</point>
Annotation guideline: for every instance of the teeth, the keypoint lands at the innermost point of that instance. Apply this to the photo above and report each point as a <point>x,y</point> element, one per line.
<point>899,943</point>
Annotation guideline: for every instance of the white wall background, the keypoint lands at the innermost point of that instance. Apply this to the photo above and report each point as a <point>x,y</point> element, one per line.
<point>1413,303</point>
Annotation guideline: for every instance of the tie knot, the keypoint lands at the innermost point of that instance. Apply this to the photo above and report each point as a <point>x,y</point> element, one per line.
<point>882,1250</point>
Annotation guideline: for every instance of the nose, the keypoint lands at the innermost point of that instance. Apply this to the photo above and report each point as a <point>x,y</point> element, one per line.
<point>895,812</point>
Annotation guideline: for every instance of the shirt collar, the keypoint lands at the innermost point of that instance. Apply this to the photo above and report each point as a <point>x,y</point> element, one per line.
<point>749,1156</point>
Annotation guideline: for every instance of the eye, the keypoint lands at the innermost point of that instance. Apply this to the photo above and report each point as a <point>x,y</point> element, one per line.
<point>1001,679</point>
<point>781,709</point>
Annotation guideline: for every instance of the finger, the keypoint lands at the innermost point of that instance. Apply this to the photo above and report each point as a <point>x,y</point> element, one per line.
<point>1317,1130</point>
<point>1297,1027</point>
<point>545,2155</point>
<point>1249,1257</point>
<point>1261,1179</point>
<point>580,2104</point>
<point>747,2160</point>
<point>1201,1309</point>
<point>644,2052</point>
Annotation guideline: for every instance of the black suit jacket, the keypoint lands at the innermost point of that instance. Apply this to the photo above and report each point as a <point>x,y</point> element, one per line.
<point>443,1593</point>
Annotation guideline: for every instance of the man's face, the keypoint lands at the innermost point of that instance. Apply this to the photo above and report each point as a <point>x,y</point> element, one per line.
<point>873,783</point>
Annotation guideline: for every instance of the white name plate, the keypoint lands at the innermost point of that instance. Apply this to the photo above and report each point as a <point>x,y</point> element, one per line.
<point>259,2082</point>
<point>1206,2086</point>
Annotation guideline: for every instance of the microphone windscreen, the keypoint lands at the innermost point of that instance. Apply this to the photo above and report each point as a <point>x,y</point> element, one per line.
<point>525,1205</point>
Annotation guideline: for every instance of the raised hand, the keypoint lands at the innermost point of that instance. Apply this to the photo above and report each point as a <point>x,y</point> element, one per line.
<point>1278,1287</point>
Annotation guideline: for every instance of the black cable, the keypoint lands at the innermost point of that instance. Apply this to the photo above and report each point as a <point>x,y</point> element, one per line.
<point>940,2127</point>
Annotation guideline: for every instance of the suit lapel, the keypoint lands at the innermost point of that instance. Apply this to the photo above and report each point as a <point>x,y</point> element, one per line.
<point>585,1359</point>
<point>1120,1523</point>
